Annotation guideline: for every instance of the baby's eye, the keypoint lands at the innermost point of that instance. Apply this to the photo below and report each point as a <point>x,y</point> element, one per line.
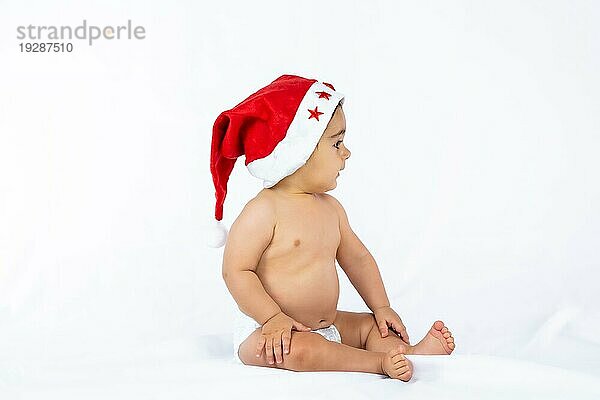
<point>337,144</point>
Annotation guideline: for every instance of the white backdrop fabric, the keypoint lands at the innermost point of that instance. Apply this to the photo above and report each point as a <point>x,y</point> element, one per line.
<point>473,181</point>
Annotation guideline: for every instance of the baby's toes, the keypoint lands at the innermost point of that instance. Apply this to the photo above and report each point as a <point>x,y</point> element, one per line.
<point>444,330</point>
<point>446,335</point>
<point>450,343</point>
<point>398,358</point>
<point>403,364</point>
<point>400,365</point>
<point>405,373</point>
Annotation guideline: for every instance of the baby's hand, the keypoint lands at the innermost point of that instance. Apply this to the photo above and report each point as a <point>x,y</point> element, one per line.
<point>277,331</point>
<point>386,317</point>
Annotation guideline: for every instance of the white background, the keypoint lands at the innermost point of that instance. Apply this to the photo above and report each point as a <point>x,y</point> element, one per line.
<point>473,179</point>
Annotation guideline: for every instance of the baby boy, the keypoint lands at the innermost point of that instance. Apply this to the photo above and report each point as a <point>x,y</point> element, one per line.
<point>280,253</point>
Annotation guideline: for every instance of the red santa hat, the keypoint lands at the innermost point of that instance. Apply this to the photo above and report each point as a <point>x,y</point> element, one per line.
<point>277,129</point>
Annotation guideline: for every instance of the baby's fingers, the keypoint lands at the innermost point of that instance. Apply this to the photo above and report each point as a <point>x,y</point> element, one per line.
<point>401,331</point>
<point>286,337</point>
<point>260,345</point>
<point>404,336</point>
<point>269,350</point>
<point>277,348</point>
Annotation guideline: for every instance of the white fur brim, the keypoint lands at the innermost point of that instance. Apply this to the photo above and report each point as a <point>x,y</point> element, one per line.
<point>301,138</point>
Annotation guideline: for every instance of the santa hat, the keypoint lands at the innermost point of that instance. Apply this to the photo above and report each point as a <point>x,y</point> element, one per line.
<point>277,129</point>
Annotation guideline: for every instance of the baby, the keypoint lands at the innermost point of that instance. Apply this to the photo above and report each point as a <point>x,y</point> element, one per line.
<point>280,253</point>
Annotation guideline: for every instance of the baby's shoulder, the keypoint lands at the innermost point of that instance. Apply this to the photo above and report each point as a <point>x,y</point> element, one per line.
<point>332,201</point>
<point>252,230</point>
<point>258,211</point>
<point>262,203</point>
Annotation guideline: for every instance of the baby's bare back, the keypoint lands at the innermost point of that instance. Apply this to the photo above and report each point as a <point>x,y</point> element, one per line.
<point>297,269</point>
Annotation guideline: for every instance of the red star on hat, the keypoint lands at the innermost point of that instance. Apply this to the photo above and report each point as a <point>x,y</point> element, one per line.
<point>314,113</point>
<point>329,85</point>
<point>324,95</point>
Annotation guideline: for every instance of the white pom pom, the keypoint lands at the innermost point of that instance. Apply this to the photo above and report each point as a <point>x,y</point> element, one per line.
<point>216,235</point>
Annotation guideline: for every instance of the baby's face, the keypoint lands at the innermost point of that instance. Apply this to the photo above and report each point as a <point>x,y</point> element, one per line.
<point>330,155</point>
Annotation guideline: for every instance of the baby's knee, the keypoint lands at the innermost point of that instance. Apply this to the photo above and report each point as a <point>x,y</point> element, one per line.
<point>304,350</point>
<point>303,346</point>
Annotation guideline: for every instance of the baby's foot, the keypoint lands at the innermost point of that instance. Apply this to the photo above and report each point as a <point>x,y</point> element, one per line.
<point>396,366</point>
<point>438,340</point>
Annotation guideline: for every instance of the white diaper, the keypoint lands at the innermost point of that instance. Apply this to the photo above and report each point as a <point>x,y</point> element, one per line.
<point>244,326</point>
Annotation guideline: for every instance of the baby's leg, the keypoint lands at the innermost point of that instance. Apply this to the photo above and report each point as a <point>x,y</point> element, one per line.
<point>311,352</point>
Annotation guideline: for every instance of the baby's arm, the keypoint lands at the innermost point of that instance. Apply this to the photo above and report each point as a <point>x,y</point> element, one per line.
<point>358,263</point>
<point>248,237</point>
<point>361,268</point>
